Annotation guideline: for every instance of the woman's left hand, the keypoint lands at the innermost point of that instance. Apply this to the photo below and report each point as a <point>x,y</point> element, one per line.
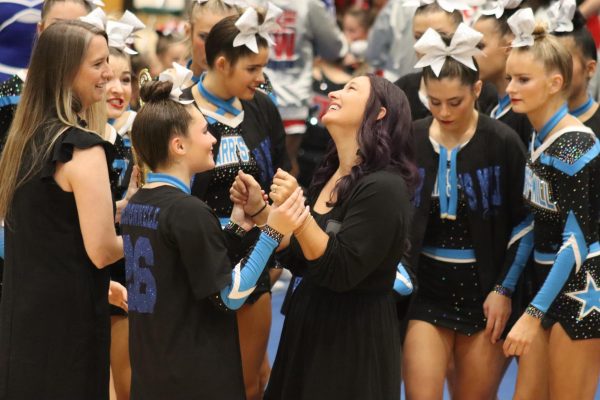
<point>497,309</point>
<point>521,336</point>
<point>117,295</point>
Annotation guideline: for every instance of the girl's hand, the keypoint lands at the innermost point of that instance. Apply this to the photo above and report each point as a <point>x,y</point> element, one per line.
<point>283,186</point>
<point>117,295</point>
<point>239,217</point>
<point>290,215</point>
<point>521,336</point>
<point>497,309</point>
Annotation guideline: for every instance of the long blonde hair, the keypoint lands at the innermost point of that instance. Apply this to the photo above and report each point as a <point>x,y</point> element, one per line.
<point>48,105</point>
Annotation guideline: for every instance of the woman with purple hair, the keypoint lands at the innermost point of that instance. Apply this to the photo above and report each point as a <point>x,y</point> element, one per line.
<point>342,320</point>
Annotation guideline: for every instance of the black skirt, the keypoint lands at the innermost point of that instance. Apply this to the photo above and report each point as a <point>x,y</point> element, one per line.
<point>449,296</point>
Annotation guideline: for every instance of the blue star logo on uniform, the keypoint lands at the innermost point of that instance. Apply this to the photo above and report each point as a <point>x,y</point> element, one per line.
<point>588,297</point>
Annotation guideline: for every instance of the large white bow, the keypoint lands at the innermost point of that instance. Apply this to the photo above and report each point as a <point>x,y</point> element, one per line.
<point>462,48</point>
<point>120,33</point>
<point>232,3</point>
<point>95,3</point>
<point>522,24</point>
<point>179,75</point>
<point>560,16</point>
<point>97,18</point>
<point>501,5</point>
<point>446,5</point>
<point>249,27</point>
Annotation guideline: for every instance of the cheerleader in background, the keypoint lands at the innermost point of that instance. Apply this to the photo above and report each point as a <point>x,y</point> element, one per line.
<point>466,239</point>
<point>558,336</point>
<point>443,18</point>
<point>575,36</point>
<point>250,137</point>
<point>495,47</point>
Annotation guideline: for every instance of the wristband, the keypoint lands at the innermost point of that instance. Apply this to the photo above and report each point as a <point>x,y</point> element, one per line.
<point>504,291</point>
<point>534,311</point>
<point>259,211</point>
<point>272,233</point>
<point>235,229</point>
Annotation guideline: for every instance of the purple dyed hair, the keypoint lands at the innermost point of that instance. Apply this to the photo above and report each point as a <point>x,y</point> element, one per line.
<point>383,144</point>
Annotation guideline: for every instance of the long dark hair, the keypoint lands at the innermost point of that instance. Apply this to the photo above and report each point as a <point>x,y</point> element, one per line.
<point>383,144</point>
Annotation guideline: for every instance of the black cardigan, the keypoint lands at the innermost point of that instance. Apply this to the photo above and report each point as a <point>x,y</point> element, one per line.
<point>491,172</point>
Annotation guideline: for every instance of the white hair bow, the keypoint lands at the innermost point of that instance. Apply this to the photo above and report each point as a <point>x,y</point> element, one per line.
<point>462,48</point>
<point>522,24</point>
<point>97,18</point>
<point>249,27</point>
<point>446,5</point>
<point>120,33</point>
<point>231,3</point>
<point>560,16</point>
<point>95,3</point>
<point>179,75</point>
<point>500,6</point>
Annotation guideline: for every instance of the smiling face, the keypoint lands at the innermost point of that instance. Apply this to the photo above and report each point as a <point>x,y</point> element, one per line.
<point>529,85</point>
<point>347,106</point>
<point>198,143</point>
<point>451,102</point>
<point>118,88</point>
<point>492,63</point>
<point>90,81</point>
<point>242,78</point>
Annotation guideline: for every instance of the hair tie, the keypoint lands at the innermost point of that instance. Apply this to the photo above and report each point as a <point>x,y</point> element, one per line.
<point>463,47</point>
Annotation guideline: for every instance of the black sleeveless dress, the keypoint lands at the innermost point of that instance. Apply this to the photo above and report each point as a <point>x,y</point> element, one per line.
<point>54,319</point>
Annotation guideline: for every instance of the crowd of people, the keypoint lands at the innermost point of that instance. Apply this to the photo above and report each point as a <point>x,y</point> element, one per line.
<point>428,171</point>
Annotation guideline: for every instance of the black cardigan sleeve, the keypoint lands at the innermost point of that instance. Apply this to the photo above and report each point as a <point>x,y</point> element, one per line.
<point>374,223</point>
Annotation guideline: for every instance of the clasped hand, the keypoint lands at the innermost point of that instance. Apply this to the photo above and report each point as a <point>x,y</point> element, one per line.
<point>288,211</point>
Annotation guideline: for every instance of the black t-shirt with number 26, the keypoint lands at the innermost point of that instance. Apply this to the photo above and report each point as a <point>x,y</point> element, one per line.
<point>182,346</point>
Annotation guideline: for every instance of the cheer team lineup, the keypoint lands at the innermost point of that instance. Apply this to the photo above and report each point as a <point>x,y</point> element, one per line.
<point>421,178</point>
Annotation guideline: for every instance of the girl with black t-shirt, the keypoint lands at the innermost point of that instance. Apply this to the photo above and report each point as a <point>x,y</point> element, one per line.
<point>180,281</point>
<point>557,338</point>
<point>60,234</point>
<point>468,230</point>
<point>250,137</point>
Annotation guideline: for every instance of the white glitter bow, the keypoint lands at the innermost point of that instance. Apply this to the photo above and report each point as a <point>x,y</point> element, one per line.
<point>462,48</point>
<point>121,33</point>
<point>501,5</point>
<point>179,75</point>
<point>446,5</point>
<point>249,27</point>
<point>231,3</point>
<point>522,24</point>
<point>97,18</point>
<point>560,16</point>
<point>95,3</point>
